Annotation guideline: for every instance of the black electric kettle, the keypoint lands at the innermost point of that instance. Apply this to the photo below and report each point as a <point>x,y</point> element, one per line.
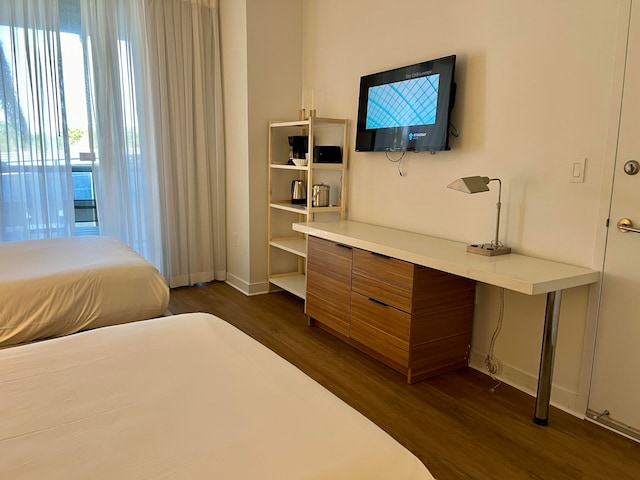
<point>298,192</point>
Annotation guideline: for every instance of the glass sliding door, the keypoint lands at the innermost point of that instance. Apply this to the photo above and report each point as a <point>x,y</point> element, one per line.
<point>45,131</point>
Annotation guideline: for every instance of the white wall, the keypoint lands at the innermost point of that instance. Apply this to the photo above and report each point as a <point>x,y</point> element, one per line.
<point>233,32</point>
<point>536,88</point>
<point>275,71</point>
<point>262,66</point>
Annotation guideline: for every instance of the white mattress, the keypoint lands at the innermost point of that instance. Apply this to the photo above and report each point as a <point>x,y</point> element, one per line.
<point>181,397</point>
<point>60,286</point>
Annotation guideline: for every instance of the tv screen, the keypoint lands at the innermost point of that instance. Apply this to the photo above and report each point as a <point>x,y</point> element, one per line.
<point>408,108</point>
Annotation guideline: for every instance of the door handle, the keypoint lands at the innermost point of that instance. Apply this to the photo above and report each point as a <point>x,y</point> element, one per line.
<point>625,225</point>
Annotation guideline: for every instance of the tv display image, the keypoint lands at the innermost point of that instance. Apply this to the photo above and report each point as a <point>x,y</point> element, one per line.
<point>408,108</point>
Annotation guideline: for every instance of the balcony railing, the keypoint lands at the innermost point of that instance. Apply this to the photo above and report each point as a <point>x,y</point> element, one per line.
<point>85,210</point>
<point>84,200</point>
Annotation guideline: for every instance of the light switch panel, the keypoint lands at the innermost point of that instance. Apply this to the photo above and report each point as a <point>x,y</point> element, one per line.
<point>576,174</point>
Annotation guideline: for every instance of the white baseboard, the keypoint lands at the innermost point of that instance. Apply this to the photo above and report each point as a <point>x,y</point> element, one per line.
<point>561,398</point>
<point>247,288</point>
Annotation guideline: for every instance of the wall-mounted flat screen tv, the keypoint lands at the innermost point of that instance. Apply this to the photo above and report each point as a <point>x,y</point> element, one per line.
<point>407,108</point>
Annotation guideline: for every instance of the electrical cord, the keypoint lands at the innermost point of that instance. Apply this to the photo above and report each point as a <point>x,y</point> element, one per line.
<point>398,161</point>
<point>453,131</point>
<point>494,366</point>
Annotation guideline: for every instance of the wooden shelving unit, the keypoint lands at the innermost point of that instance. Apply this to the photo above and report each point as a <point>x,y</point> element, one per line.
<point>287,249</point>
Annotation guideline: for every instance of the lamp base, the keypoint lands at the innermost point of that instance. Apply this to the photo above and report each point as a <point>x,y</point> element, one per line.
<point>488,249</point>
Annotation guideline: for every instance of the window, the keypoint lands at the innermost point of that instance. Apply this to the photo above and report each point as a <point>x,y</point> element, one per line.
<point>78,118</point>
<point>46,144</point>
<point>112,122</point>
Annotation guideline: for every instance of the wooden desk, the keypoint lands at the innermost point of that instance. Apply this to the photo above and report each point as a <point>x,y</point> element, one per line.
<point>520,273</point>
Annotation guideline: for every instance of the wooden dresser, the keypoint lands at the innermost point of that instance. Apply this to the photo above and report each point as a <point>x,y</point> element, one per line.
<point>415,319</point>
<point>430,295</point>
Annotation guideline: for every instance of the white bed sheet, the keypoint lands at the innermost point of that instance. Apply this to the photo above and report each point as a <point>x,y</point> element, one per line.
<point>181,397</point>
<point>60,286</point>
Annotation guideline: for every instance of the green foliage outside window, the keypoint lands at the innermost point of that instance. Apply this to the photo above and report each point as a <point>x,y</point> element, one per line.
<point>75,135</point>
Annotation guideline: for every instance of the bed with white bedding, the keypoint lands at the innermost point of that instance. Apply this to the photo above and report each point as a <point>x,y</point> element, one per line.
<point>181,397</point>
<point>59,286</point>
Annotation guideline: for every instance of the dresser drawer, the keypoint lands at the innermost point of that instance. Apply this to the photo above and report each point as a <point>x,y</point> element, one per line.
<point>329,284</point>
<point>376,288</point>
<point>391,270</point>
<point>330,258</point>
<point>328,301</point>
<point>380,327</point>
<point>382,345</point>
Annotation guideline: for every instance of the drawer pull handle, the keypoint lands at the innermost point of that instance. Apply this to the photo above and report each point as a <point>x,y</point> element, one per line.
<point>381,255</point>
<point>344,246</point>
<point>378,302</point>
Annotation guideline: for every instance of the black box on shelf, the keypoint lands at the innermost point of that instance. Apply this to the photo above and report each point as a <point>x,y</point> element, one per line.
<point>327,154</point>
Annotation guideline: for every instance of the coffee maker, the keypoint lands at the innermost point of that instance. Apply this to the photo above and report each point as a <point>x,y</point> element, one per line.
<point>299,147</point>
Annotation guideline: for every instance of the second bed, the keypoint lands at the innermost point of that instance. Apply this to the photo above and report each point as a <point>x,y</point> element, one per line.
<point>59,286</point>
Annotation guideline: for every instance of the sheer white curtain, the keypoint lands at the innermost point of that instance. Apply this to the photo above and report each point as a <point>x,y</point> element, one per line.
<point>185,63</point>
<point>152,73</point>
<point>36,195</point>
<point>126,166</point>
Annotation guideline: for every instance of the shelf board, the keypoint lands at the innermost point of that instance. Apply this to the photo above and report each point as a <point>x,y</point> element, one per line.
<point>294,123</point>
<point>297,246</point>
<point>291,282</point>
<point>285,166</point>
<point>315,166</point>
<point>334,208</point>
<point>317,122</point>
<point>290,207</point>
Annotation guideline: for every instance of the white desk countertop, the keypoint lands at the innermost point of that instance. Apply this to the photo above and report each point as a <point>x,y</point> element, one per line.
<point>515,272</point>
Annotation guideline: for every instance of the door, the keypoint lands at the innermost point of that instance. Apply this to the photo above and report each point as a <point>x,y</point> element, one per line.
<point>615,386</point>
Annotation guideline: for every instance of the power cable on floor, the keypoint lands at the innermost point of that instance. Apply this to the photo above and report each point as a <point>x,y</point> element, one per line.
<point>494,366</point>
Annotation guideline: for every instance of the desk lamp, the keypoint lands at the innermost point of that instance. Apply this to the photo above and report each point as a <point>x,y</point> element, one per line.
<point>477,185</point>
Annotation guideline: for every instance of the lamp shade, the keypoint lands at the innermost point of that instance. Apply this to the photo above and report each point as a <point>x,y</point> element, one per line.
<point>470,184</point>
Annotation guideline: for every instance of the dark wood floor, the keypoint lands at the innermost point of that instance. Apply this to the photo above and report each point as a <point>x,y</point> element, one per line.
<point>452,422</point>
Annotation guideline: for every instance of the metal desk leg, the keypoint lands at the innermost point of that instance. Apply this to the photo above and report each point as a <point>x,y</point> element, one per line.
<point>545,374</point>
